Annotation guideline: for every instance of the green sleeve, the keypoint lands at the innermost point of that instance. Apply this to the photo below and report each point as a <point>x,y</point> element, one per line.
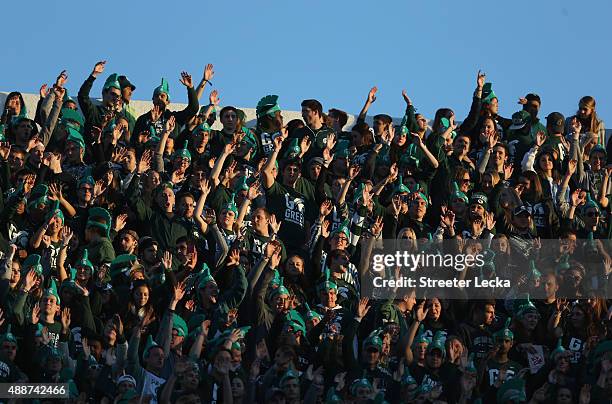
<point>143,212</point>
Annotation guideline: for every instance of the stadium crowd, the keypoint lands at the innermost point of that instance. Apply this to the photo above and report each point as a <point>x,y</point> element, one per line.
<point>153,259</point>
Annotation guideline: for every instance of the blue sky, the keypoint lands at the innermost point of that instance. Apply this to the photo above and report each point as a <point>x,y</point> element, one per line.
<point>332,50</point>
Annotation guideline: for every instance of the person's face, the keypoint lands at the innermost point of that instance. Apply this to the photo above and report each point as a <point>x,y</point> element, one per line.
<point>177,339</point>
<point>521,221</point>
<point>499,155</point>
<point>96,348</point>
<point>15,274</point>
<point>229,119</point>
<point>16,160</point>
<point>14,104</point>
<point>371,355</point>
<point>181,163</point>
<point>533,107</point>
<point>129,164</point>
<point>400,138</point>
<point>23,130</point>
<point>126,93</point>
<point>280,303</point>
<point>260,222</point>
<point>339,241</point>
<point>487,183</point>
<point>564,396</point>
<point>314,170</point>
<point>577,317</point>
<point>477,211</point>
<point>435,309</point>
<point>464,183</point>
<point>418,208</point>
<point>83,273</point>
<point>210,293</point>
<point>73,152</point>
<point>112,97</point>
<point>357,138</point>
<point>291,173</point>
<point>328,298</point>
<point>186,207</point>
<point>37,153</point>
<point>310,116</point>
<point>487,129</point>
<point>504,344</point>
<point>546,162</point>
<point>9,350</point>
<point>434,358</point>
<point>489,314</point>
<point>200,140</point>
<point>530,321</point>
<point>125,386</point>
<point>237,387</point>
<point>294,266</point>
<point>340,263</point>
<point>563,362</point>
<point>494,106</point>
<point>127,243</point>
<point>141,296</point>
<point>85,193</point>
<point>49,304</point>
<point>461,145</point>
<point>155,360</point>
<point>55,226</point>
<point>379,126</point>
<point>421,122</point>
<point>550,285</point>
<point>574,277</point>
<point>161,100</point>
<point>584,112</point>
<point>292,389</point>
<point>597,160</point>
<point>196,176</point>
<point>227,218</point>
<point>149,255</point>
<point>110,332</point>
<point>166,199</point>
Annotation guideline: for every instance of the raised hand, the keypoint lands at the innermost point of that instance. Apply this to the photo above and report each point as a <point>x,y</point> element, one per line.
<point>186,80</point>
<point>65,320</point>
<point>145,162</point>
<point>305,144</point>
<point>363,307</point>
<point>55,192</point>
<point>354,171</point>
<point>421,312</point>
<point>98,68</point>
<point>5,150</point>
<point>254,192</point>
<point>209,73</point>
<point>204,186</point>
<point>278,143</point>
<point>508,170</point>
<point>167,260</point>
<point>233,259</point>
<point>377,226</point>
<point>35,314</point>
<point>372,94</point>
<point>179,291</point>
<point>326,208</point>
<point>213,98</point>
<point>576,126</point>
<point>325,229</point>
<point>406,98</point>
<point>540,138</point>
<point>61,79</point>
<point>481,77</point>
<point>65,235</point>
<point>43,91</point>
<point>59,93</point>
<point>170,124</point>
<point>30,280</point>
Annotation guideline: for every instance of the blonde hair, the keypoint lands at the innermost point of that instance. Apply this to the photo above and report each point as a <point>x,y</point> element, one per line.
<point>594,122</point>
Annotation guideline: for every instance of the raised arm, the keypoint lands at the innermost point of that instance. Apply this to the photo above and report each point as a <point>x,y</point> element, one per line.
<point>192,107</point>
<point>87,107</point>
<point>267,171</point>
<point>161,146</point>
<point>369,101</point>
<point>206,77</point>
<point>216,170</point>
